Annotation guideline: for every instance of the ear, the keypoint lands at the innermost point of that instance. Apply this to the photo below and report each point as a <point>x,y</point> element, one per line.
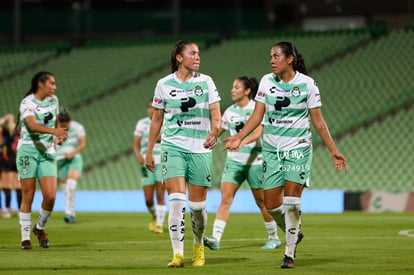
<point>40,84</point>
<point>247,91</point>
<point>179,57</point>
<point>290,59</point>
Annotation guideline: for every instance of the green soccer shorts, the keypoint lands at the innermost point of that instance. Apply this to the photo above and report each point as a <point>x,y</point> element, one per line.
<point>237,173</point>
<point>64,165</point>
<point>293,165</point>
<point>194,167</point>
<point>32,163</point>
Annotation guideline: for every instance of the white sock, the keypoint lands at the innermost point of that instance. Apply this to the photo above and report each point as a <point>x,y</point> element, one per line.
<point>176,221</point>
<point>198,220</point>
<point>70,196</point>
<point>25,220</point>
<point>43,217</point>
<point>292,219</point>
<point>218,229</point>
<point>160,211</point>
<point>151,210</point>
<point>271,229</point>
<point>278,215</point>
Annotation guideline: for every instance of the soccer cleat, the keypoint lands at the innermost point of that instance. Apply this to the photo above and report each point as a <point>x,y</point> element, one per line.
<point>69,219</point>
<point>152,224</point>
<point>158,230</point>
<point>41,236</point>
<point>177,261</point>
<point>287,262</point>
<point>198,255</point>
<point>300,237</point>
<point>272,244</point>
<point>211,243</point>
<point>26,244</point>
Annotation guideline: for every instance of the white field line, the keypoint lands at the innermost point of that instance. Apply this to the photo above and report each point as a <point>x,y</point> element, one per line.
<point>407,232</point>
<point>249,239</point>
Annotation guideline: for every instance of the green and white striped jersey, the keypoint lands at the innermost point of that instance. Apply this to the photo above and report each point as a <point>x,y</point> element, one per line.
<point>233,120</point>
<point>75,131</point>
<point>186,111</point>
<point>142,130</point>
<point>45,113</point>
<point>287,118</point>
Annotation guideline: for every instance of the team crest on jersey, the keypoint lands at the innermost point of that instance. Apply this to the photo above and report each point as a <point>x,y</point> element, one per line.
<point>198,91</point>
<point>261,94</point>
<point>295,92</point>
<point>24,170</point>
<point>164,170</point>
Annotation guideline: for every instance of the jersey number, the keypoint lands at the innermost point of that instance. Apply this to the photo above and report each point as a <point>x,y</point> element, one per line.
<point>24,160</point>
<point>164,157</point>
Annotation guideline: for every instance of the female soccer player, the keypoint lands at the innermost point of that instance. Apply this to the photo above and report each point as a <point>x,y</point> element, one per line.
<point>187,108</point>
<point>36,154</point>
<point>8,151</point>
<point>246,164</point>
<point>287,99</point>
<point>151,181</point>
<point>70,162</point>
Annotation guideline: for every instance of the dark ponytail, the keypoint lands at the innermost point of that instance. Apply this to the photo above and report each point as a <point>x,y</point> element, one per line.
<point>38,77</point>
<point>250,83</point>
<point>178,49</point>
<point>298,60</point>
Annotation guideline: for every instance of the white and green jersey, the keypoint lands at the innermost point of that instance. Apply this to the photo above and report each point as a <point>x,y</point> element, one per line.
<point>287,118</point>
<point>75,132</point>
<point>186,111</point>
<point>45,113</point>
<point>233,120</point>
<point>142,130</point>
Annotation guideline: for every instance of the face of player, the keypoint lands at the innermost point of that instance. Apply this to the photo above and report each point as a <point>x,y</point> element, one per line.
<point>238,91</point>
<point>279,62</point>
<point>47,88</point>
<point>64,124</point>
<point>189,59</point>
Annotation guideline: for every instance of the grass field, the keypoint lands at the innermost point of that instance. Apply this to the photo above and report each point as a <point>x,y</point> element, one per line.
<point>120,243</point>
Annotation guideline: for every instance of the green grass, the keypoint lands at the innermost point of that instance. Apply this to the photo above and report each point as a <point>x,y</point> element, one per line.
<point>120,243</point>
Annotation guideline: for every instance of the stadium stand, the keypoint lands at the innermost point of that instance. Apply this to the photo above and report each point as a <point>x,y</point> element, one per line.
<point>14,61</point>
<point>380,157</point>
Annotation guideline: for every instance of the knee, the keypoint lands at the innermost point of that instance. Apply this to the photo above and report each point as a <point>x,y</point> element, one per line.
<point>49,199</point>
<point>226,200</point>
<point>260,202</point>
<point>149,202</point>
<point>48,204</point>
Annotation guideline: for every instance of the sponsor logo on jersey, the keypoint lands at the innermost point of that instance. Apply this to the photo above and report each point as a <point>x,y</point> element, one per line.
<point>280,121</point>
<point>174,93</point>
<point>188,122</point>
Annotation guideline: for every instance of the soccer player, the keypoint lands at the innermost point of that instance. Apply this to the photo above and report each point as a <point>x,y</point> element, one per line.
<point>36,154</point>
<point>150,181</point>
<point>288,100</point>
<point>245,164</point>
<point>8,151</point>
<point>188,110</point>
<point>70,162</point>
